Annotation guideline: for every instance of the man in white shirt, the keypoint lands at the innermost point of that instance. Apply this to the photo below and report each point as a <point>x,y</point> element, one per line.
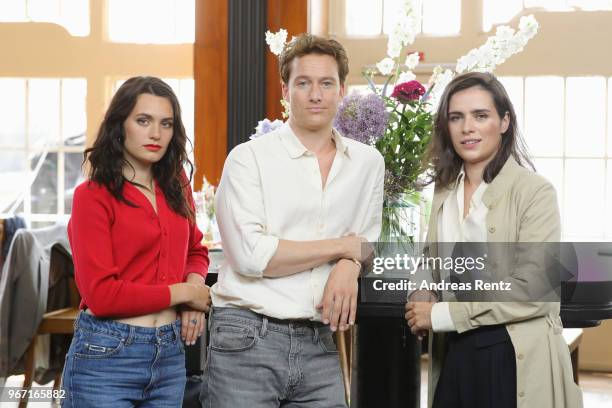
<point>294,208</point>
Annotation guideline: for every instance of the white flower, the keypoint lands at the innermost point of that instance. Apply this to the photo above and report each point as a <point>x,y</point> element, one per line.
<point>406,29</point>
<point>441,81</point>
<point>409,6</point>
<point>437,71</point>
<point>517,44</point>
<point>276,41</point>
<point>406,77</point>
<point>486,56</point>
<point>466,62</point>
<point>497,49</point>
<point>529,25</point>
<point>412,60</point>
<point>504,33</point>
<point>385,66</point>
<point>394,48</point>
<point>444,78</point>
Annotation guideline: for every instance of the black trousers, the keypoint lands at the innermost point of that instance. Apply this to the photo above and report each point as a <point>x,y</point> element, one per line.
<point>479,370</point>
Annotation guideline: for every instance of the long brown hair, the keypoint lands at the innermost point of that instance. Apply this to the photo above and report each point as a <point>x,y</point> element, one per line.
<point>444,162</point>
<point>106,155</point>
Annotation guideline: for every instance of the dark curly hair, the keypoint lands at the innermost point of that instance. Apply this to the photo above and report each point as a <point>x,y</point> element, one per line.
<point>445,163</point>
<point>106,158</point>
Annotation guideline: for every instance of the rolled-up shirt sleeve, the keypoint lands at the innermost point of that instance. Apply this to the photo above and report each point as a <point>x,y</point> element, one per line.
<point>241,215</point>
<point>441,319</point>
<point>373,220</point>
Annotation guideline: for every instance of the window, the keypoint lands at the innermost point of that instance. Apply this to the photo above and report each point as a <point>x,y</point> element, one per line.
<point>184,90</point>
<point>565,127</point>
<point>73,15</point>
<point>151,21</point>
<point>369,18</point>
<point>41,146</point>
<point>497,12</point>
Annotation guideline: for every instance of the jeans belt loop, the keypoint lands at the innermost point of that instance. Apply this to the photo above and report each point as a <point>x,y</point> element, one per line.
<point>264,326</point>
<point>315,337</point>
<point>175,330</point>
<point>75,324</point>
<point>210,318</point>
<point>130,338</point>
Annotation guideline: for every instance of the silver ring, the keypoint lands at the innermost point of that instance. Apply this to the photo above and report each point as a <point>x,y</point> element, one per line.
<point>193,321</point>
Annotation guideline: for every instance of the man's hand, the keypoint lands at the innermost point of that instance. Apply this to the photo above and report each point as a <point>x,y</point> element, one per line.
<point>418,312</point>
<point>339,303</point>
<point>356,247</point>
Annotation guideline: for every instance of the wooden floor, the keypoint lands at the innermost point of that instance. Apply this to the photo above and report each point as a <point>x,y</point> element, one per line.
<point>597,389</point>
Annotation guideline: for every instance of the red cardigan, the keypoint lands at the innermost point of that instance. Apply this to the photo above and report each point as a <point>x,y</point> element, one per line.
<point>125,258</point>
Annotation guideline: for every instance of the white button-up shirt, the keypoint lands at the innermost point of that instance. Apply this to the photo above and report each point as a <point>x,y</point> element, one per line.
<point>456,228</point>
<point>271,189</point>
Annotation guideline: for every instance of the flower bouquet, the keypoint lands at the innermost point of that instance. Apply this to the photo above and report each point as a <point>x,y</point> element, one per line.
<point>206,220</point>
<point>399,127</point>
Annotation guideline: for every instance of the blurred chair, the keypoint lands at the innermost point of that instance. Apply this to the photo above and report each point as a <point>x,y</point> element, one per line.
<point>62,310</point>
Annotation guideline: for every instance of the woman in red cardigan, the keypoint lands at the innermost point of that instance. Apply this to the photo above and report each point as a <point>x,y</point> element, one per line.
<point>137,256</point>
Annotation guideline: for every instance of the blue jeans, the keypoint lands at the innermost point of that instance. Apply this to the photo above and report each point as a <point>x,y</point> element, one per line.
<point>117,365</point>
<point>259,362</point>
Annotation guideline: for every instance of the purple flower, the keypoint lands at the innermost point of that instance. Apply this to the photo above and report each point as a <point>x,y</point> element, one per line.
<point>362,117</point>
<point>408,91</point>
<point>265,126</point>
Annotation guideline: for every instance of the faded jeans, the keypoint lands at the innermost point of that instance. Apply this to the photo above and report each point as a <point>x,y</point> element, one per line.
<point>117,365</point>
<point>259,362</point>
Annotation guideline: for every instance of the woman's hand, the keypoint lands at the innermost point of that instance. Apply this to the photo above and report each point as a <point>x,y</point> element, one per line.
<point>199,297</point>
<point>418,316</point>
<point>418,312</point>
<point>193,295</point>
<point>193,323</point>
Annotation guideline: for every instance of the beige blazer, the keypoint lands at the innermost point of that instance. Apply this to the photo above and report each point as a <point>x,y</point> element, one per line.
<point>522,208</point>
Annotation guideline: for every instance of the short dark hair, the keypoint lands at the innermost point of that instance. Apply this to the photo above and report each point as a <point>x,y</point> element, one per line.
<point>106,155</point>
<point>305,44</point>
<point>444,162</point>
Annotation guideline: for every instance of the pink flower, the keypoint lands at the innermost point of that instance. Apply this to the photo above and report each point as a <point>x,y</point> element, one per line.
<point>408,91</point>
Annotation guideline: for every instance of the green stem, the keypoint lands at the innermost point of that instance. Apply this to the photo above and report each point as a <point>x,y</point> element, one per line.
<point>397,70</point>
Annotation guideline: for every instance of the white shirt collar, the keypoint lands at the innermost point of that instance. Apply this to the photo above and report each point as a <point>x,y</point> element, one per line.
<point>296,149</point>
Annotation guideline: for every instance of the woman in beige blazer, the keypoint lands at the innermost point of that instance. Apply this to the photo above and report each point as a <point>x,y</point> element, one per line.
<point>491,354</point>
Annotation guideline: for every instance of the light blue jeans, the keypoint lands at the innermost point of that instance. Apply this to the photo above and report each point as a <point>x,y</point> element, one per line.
<point>259,362</point>
<point>116,365</point>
